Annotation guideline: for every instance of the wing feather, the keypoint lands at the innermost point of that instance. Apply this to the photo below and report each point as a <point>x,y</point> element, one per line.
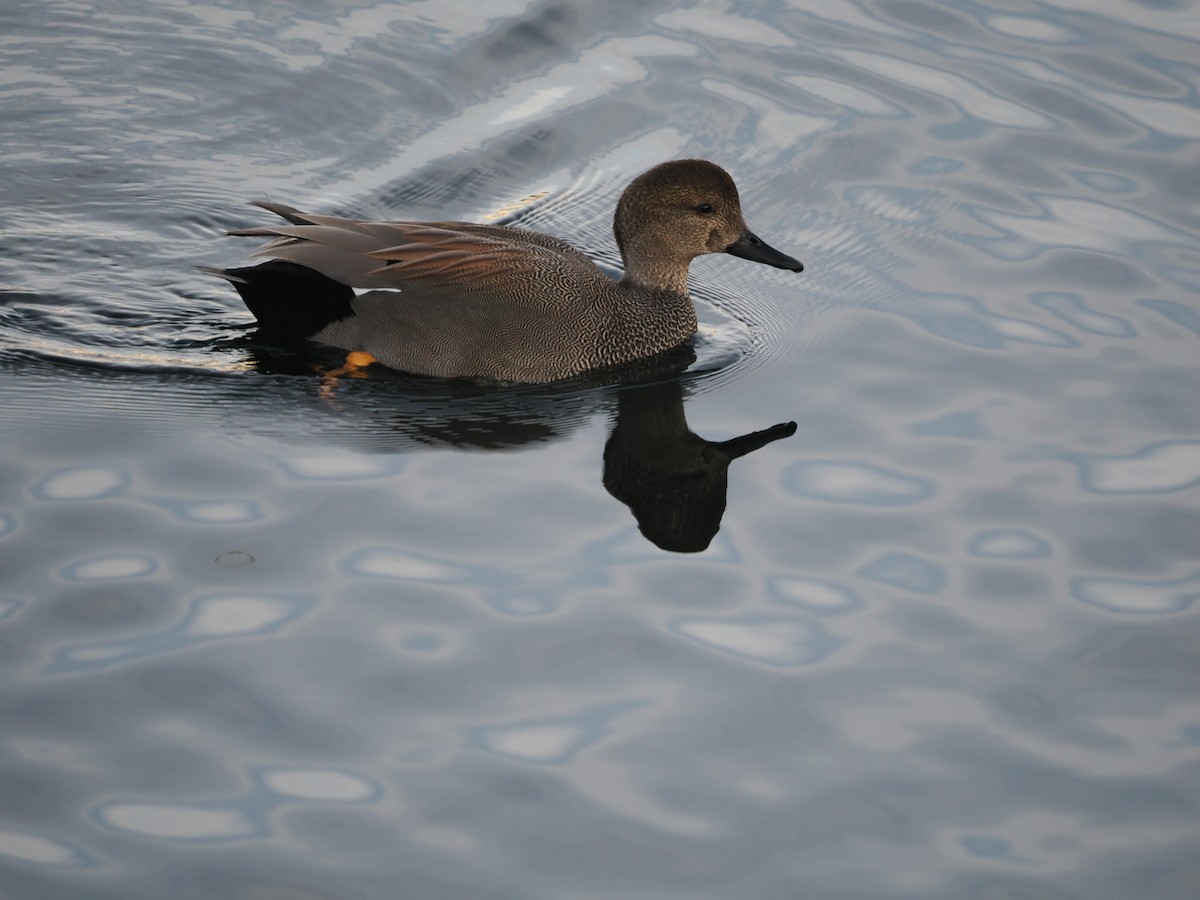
<point>420,255</point>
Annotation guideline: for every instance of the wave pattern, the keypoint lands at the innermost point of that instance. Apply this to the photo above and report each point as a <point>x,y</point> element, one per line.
<point>268,633</point>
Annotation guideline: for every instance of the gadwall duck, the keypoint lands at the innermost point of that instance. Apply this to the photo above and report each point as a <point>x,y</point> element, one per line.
<point>459,300</point>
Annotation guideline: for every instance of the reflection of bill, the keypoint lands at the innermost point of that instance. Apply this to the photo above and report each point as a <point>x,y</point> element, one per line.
<point>672,480</point>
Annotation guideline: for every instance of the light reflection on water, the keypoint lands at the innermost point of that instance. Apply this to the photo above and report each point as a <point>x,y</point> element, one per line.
<point>939,642</point>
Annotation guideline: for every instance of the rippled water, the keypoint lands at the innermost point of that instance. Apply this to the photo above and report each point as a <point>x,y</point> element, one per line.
<point>264,635</point>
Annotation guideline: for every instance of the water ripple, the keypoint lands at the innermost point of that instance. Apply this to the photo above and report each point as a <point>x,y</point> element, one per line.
<point>552,740</point>
<point>1030,29</point>
<point>111,567</point>
<point>904,570</point>
<point>814,595</point>
<point>211,512</point>
<point>769,639</point>
<point>322,785</point>
<point>82,483</point>
<point>835,481</point>
<point>250,616</point>
<point>973,99</point>
<point>43,850</point>
<point>1008,543</point>
<point>1072,308</point>
<point>209,618</point>
<point>178,821</point>
<point>1158,468</point>
<point>1138,597</point>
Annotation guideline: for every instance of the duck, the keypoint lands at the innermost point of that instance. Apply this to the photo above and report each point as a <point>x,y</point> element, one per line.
<point>496,303</point>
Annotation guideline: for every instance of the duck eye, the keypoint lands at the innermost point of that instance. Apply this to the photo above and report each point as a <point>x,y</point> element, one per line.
<point>704,208</point>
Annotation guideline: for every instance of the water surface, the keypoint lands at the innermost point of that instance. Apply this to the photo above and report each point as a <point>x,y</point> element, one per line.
<point>270,636</point>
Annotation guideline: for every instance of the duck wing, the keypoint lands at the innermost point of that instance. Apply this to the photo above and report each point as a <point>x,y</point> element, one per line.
<point>417,254</point>
<point>433,255</point>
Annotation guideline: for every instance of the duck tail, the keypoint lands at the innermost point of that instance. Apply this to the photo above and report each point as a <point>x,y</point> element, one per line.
<point>288,300</point>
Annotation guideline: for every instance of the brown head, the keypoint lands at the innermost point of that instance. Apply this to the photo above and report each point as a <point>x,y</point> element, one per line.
<point>677,211</point>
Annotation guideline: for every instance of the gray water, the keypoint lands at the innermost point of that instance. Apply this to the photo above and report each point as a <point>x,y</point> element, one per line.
<point>269,636</point>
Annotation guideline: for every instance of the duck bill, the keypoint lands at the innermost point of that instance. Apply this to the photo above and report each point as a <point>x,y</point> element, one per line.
<point>750,246</point>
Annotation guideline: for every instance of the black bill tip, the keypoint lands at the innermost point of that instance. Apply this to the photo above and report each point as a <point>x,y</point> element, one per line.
<point>750,246</point>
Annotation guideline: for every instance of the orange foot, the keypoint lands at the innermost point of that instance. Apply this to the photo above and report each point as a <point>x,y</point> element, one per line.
<point>356,361</point>
<point>354,366</point>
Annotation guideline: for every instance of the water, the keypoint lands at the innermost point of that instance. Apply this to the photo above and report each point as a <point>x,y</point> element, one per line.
<point>269,636</point>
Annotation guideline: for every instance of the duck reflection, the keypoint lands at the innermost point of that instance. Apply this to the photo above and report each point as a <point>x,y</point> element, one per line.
<point>673,481</point>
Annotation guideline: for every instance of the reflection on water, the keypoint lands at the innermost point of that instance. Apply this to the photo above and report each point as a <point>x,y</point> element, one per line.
<point>268,635</point>
<point>672,480</point>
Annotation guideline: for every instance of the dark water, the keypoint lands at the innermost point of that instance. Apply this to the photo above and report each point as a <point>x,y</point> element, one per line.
<point>268,636</point>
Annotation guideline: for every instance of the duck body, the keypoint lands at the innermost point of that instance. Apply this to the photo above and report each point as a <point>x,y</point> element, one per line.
<point>462,300</point>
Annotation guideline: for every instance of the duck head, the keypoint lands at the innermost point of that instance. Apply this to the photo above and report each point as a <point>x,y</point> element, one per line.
<point>677,211</point>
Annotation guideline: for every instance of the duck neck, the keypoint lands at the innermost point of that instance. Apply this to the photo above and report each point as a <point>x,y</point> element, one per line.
<point>658,275</point>
<point>649,262</point>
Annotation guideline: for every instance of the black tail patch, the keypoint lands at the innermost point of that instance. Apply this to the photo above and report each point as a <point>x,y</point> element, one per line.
<point>290,300</point>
